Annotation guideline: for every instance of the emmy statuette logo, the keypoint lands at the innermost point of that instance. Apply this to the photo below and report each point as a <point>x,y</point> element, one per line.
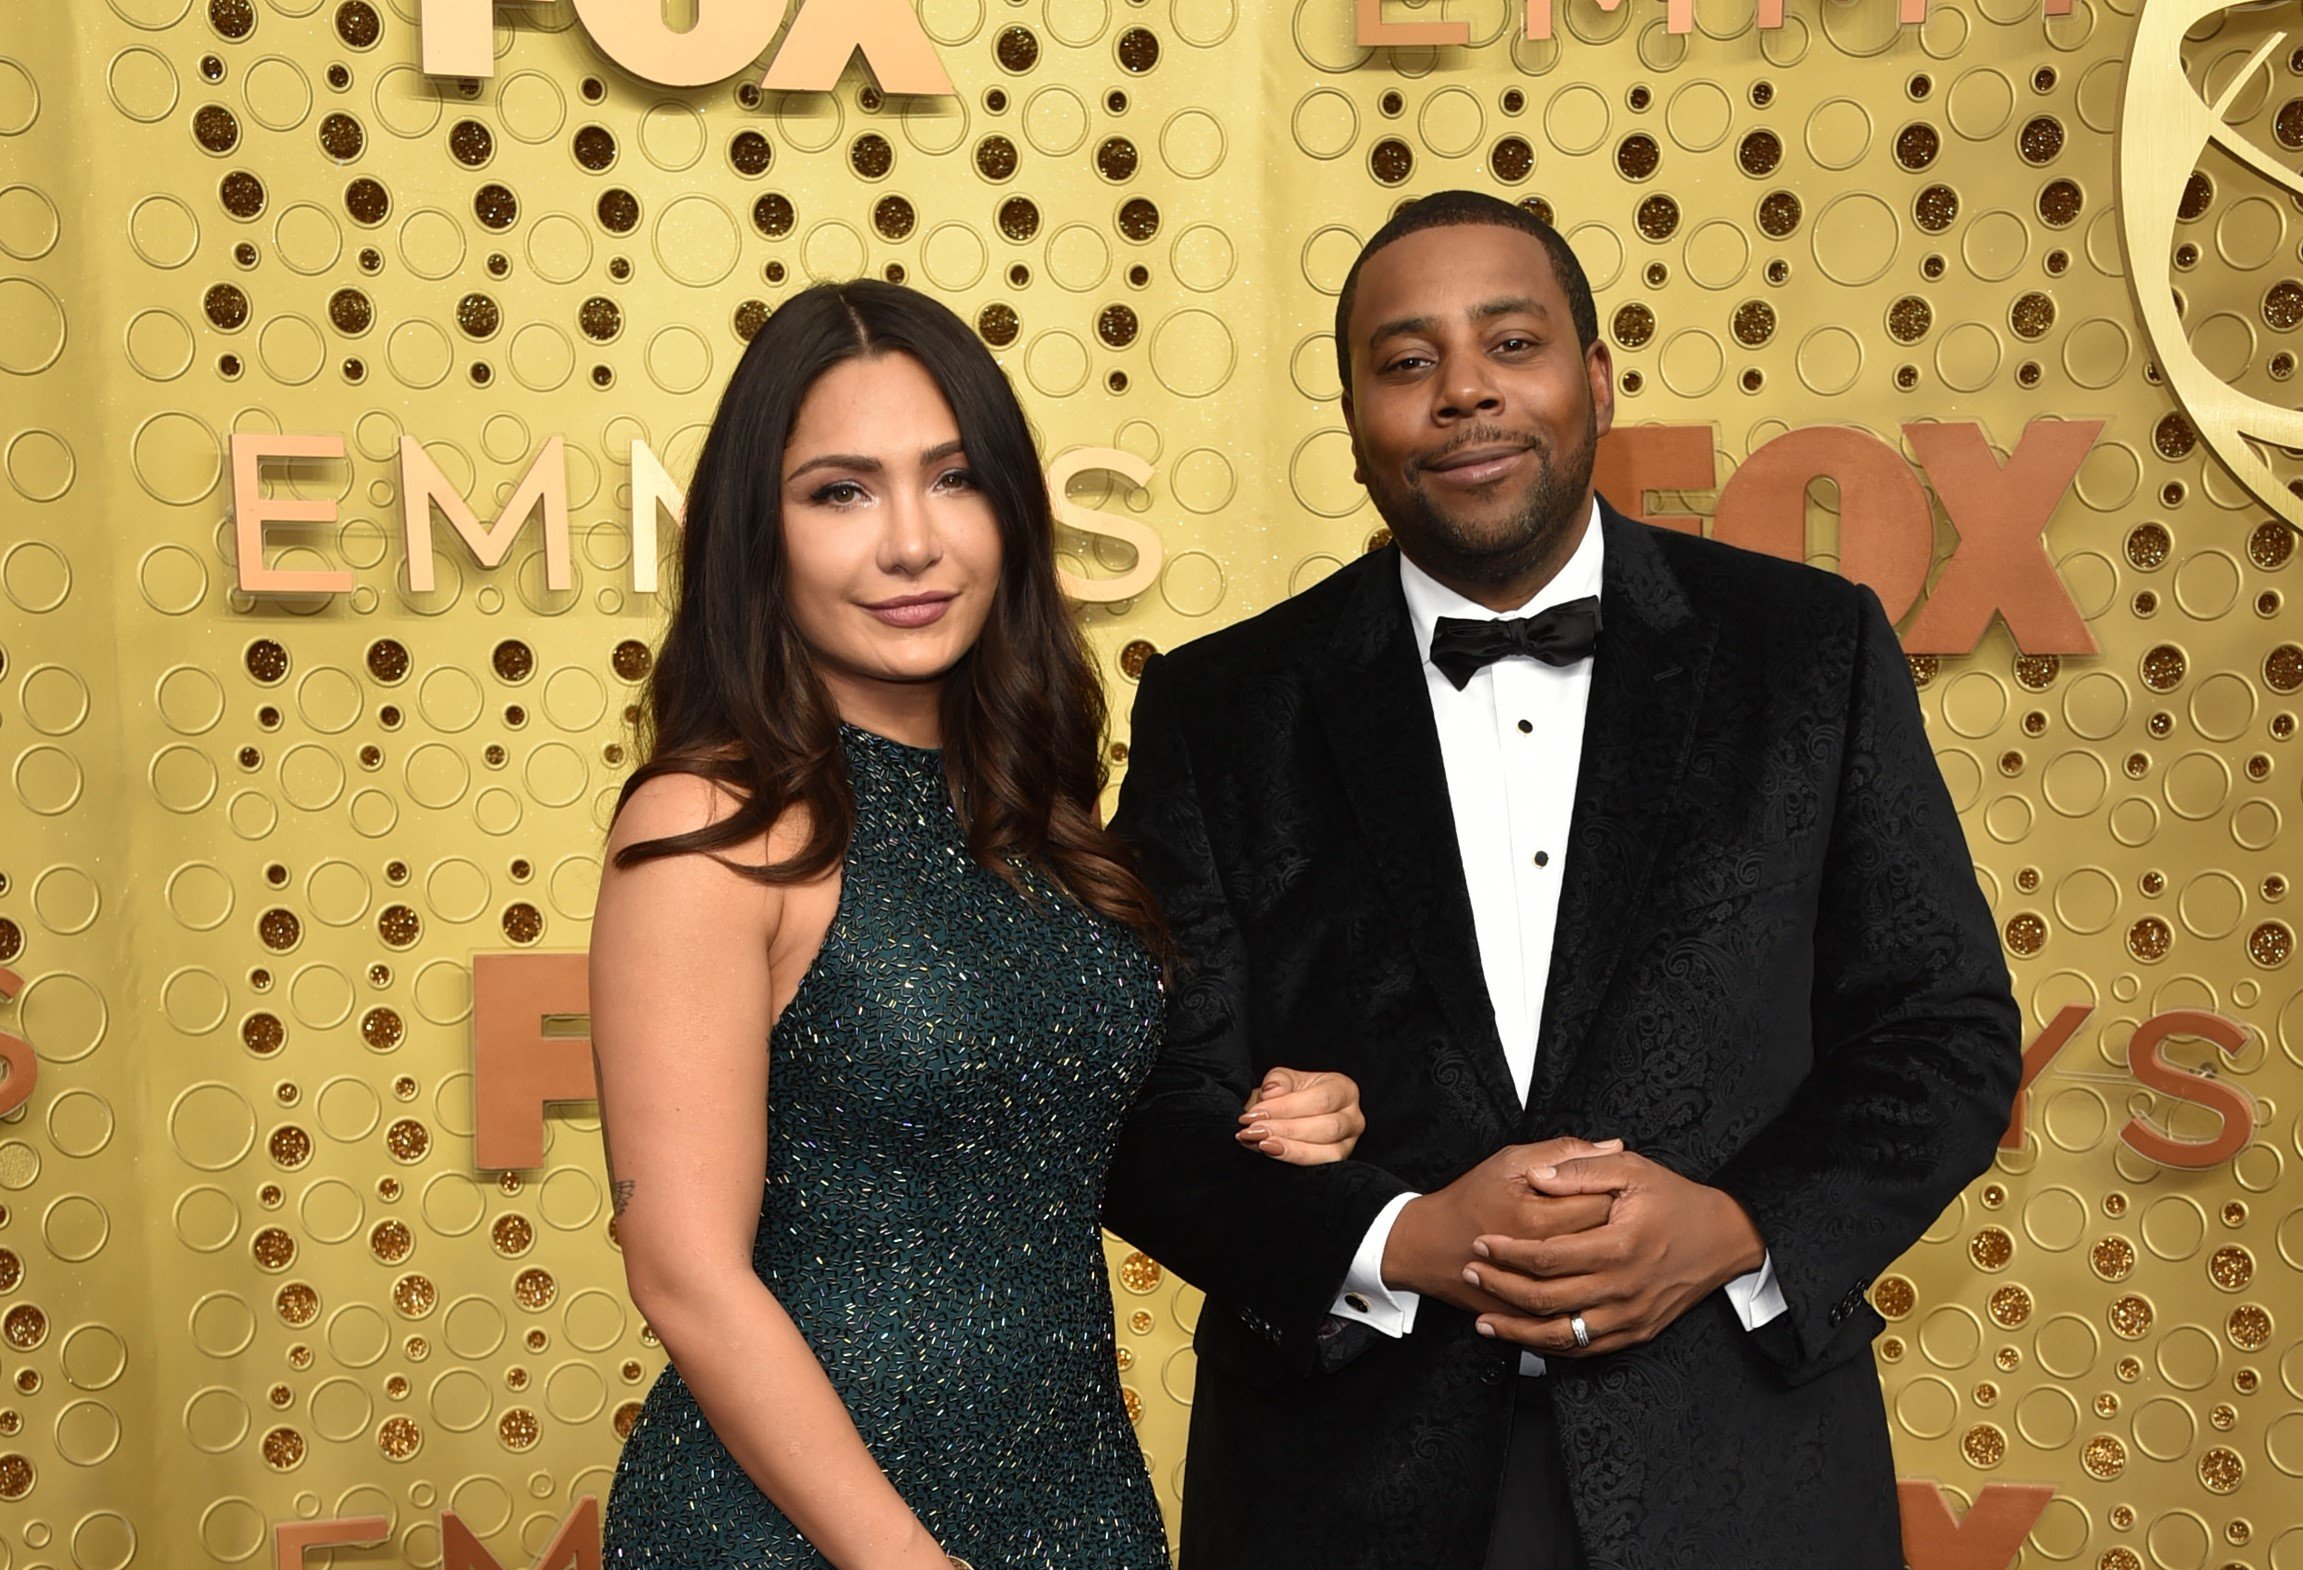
<point>2165,130</point>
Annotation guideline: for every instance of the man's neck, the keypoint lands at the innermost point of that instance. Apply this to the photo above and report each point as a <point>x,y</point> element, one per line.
<point>1515,589</point>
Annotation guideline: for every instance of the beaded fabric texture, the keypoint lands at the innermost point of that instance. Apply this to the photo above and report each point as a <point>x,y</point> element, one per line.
<point>945,1092</point>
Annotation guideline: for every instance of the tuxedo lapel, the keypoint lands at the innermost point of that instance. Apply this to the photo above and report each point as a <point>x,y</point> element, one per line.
<point>1377,716</point>
<point>1647,686</point>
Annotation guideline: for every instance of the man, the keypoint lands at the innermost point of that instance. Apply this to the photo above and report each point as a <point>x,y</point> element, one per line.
<point>1547,826</point>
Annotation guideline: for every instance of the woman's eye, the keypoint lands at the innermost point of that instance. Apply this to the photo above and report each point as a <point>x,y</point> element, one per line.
<point>956,480</point>
<point>840,493</point>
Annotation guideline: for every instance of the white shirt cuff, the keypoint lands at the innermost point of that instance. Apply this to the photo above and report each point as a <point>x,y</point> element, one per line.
<point>1364,1296</point>
<point>1756,1298</point>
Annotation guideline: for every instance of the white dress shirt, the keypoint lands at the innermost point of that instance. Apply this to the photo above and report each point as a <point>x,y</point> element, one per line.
<point>1512,745</point>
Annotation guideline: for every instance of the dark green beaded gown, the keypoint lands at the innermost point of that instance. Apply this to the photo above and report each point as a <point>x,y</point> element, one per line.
<point>944,1094</point>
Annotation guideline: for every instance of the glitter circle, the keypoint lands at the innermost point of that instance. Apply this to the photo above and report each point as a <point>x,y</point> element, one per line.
<point>2222,1470</point>
<point>391,1241</point>
<point>2231,1267</point>
<point>2130,1317</point>
<point>1139,1273</point>
<point>414,1296</point>
<point>382,1029</point>
<point>2149,939</point>
<point>408,1140</point>
<point>512,1235</point>
<point>399,1438</point>
<point>297,1304</point>
<point>2270,944</point>
<point>290,1146</point>
<point>283,1449</point>
<point>273,1249</point>
<point>2163,668</point>
<point>398,925</point>
<point>25,1327</point>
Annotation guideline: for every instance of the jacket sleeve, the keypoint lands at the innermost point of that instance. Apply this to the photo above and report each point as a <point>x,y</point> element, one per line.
<point>1270,1240</point>
<point>1918,1046</point>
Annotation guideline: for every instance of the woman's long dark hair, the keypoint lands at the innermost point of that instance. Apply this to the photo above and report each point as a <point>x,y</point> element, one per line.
<point>735,697</point>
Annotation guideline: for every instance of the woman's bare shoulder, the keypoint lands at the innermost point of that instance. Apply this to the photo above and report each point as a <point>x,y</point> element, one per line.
<point>672,803</point>
<point>677,802</point>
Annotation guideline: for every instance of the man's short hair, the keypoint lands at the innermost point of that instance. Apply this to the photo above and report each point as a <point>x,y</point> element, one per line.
<point>1443,209</point>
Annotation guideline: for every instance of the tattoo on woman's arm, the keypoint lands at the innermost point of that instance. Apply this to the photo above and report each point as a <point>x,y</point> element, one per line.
<point>619,1189</point>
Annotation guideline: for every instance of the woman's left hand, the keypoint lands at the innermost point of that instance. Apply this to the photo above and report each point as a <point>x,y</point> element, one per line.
<point>1303,1118</point>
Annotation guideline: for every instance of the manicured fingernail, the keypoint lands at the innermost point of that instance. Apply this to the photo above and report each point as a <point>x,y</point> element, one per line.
<point>1486,1329</point>
<point>1471,1275</point>
<point>1480,1249</point>
<point>1259,1130</point>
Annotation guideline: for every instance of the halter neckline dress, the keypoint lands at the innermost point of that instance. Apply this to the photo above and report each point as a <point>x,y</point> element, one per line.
<point>945,1091</point>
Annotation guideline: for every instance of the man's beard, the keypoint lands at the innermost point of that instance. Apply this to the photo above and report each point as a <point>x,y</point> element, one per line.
<point>1555,506</point>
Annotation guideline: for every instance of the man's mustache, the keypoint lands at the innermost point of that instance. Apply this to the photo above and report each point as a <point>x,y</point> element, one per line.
<point>1481,436</point>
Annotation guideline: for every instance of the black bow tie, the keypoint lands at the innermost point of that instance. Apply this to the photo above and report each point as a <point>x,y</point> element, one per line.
<point>1559,636</point>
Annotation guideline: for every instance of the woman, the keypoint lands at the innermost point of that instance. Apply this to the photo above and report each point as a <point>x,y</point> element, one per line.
<point>866,836</point>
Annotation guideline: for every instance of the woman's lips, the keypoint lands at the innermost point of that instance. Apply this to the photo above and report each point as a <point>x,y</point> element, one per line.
<point>913,610</point>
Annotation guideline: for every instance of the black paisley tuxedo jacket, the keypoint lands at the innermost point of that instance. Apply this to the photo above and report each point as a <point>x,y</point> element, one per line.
<point>1774,973</point>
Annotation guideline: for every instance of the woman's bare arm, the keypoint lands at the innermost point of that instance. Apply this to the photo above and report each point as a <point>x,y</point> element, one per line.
<point>684,988</point>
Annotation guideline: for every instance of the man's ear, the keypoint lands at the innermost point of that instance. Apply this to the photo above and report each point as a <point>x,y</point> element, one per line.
<point>1599,366</point>
<point>1351,429</point>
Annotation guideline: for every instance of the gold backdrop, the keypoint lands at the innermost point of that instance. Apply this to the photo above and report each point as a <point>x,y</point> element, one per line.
<point>251,1270</point>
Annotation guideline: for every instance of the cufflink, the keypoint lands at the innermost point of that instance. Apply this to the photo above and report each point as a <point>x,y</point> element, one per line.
<point>1357,1302</point>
